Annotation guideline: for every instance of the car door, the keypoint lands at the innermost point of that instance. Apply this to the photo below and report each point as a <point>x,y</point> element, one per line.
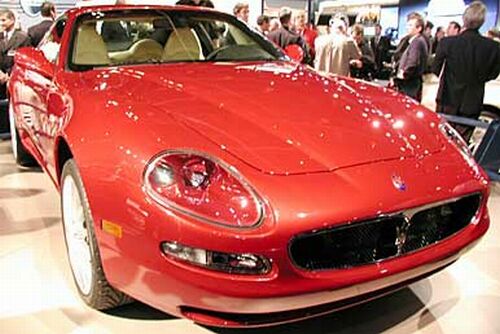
<point>45,122</point>
<point>28,88</point>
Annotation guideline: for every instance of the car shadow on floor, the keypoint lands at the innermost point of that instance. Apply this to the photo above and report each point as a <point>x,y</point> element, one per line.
<point>10,226</point>
<point>138,311</point>
<point>8,168</point>
<point>5,149</point>
<point>19,193</point>
<point>372,317</point>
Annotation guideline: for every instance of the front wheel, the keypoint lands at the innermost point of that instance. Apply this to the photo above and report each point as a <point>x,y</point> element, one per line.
<point>81,244</point>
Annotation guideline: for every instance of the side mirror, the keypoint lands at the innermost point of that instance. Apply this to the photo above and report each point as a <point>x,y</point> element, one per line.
<point>34,60</point>
<point>295,52</point>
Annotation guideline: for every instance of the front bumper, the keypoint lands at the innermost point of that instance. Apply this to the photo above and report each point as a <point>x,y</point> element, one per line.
<point>287,294</point>
<point>324,302</point>
<point>135,264</point>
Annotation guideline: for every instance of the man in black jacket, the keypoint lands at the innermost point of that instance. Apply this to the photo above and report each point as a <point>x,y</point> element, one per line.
<point>12,40</point>
<point>365,67</point>
<point>465,63</point>
<point>413,61</point>
<point>36,32</point>
<point>380,45</point>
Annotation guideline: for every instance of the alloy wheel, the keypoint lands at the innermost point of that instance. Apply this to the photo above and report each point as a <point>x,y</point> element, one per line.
<point>77,237</point>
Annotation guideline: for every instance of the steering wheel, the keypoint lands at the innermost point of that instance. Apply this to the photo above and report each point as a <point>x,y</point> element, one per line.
<point>212,55</point>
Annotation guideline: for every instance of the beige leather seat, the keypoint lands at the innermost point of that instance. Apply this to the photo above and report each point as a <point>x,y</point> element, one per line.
<point>90,49</point>
<point>141,51</point>
<point>183,44</point>
<point>145,50</point>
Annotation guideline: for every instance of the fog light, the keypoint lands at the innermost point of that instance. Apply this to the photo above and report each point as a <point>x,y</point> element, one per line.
<point>248,264</point>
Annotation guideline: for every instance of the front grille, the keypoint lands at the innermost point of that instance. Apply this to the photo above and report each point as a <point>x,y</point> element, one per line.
<point>382,238</point>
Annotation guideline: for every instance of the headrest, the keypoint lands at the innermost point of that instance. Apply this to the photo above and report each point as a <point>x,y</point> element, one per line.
<point>89,46</point>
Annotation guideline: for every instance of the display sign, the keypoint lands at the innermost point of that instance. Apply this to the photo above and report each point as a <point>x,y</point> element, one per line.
<point>440,12</point>
<point>31,7</point>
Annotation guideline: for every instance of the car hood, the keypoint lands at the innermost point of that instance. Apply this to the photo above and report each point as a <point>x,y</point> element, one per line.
<point>281,118</point>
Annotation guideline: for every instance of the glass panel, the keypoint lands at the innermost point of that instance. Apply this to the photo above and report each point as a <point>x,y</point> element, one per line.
<point>127,38</point>
<point>51,44</point>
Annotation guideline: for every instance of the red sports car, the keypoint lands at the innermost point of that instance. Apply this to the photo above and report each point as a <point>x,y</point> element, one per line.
<point>204,173</point>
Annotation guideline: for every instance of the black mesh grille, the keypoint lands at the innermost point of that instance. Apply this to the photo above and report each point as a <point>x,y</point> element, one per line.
<point>379,239</point>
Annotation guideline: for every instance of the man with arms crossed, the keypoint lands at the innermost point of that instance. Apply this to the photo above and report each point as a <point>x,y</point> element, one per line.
<point>465,63</point>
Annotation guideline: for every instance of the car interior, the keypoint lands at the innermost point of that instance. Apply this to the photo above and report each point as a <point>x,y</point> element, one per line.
<point>135,40</point>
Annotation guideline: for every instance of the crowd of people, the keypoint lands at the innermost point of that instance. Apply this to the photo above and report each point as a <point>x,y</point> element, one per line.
<point>12,38</point>
<point>464,63</point>
<point>462,58</point>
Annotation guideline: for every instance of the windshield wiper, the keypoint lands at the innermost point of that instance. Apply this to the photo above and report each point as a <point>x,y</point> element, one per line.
<point>133,62</point>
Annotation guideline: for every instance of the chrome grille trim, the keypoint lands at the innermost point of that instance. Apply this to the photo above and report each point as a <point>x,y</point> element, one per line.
<point>386,236</point>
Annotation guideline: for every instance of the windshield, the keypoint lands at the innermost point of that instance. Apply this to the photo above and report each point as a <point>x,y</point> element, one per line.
<point>129,37</point>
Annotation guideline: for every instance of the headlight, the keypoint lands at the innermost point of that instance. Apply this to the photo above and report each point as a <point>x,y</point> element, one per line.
<point>197,185</point>
<point>454,137</point>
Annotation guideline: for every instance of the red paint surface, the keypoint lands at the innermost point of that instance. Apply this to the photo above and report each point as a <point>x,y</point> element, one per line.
<point>319,151</point>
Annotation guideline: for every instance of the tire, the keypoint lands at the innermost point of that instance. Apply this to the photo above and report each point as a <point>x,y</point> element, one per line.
<point>21,155</point>
<point>81,244</point>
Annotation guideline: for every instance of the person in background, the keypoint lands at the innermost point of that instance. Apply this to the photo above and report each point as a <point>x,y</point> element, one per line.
<point>274,24</point>
<point>427,34</point>
<point>365,67</point>
<point>242,11</point>
<point>207,3</point>
<point>336,51</point>
<point>37,31</point>
<point>303,29</point>
<point>404,42</point>
<point>437,38</point>
<point>380,46</point>
<point>263,24</point>
<point>344,18</point>
<point>13,39</point>
<point>201,3</point>
<point>465,63</point>
<point>453,28</point>
<point>285,36</point>
<point>413,61</point>
<point>188,2</point>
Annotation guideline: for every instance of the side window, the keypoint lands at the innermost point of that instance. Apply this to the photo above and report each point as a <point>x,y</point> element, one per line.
<point>59,28</point>
<point>51,43</point>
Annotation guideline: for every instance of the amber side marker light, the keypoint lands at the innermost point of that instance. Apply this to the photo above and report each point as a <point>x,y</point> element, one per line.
<point>246,264</point>
<point>112,228</point>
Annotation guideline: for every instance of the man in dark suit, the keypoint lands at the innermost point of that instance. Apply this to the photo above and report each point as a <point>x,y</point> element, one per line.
<point>12,40</point>
<point>367,69</point>
<point>36,32</point>
<point>285,36</point>
<point>380,46</point>
<point>413,60</point>
<point>403,43</point>
<point>465,63</point>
